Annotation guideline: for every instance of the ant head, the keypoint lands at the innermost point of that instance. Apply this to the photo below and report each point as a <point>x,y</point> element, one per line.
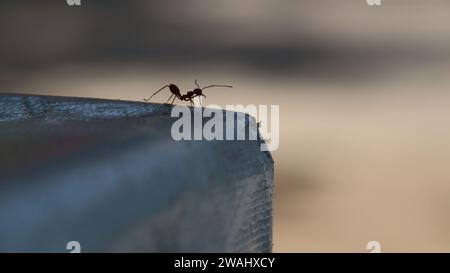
<point>198,92</point>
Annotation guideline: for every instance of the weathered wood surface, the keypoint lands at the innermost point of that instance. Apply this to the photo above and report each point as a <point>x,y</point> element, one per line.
<point>108,175</point>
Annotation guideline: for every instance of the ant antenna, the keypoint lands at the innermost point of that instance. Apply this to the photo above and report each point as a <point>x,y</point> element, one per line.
<point>197,84</point>
<point>217,85</point>
<point>165,86</point>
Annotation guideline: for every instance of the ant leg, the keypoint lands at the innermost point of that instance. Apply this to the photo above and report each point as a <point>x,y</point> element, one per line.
<point>192,103</point>
<point>161,106</point>
<point>169,99</point>
<point>173,100</point>
<point>165,86</point>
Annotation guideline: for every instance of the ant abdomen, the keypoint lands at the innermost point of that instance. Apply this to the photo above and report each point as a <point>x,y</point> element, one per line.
<point>175,90</point>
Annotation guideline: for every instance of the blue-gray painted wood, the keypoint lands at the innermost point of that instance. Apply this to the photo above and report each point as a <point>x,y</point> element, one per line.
<point>108,174</point>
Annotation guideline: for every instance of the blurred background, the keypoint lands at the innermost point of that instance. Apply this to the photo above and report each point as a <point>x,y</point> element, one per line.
<point>363,92</point>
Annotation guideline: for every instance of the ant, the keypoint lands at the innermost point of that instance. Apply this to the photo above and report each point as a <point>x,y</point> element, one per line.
<point>189,96</point>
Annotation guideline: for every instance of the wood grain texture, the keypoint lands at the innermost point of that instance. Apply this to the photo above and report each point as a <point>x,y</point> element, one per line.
<point>108,175</point>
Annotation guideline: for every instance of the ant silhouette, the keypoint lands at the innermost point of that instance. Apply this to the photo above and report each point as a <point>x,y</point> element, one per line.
<point>189,96</point>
